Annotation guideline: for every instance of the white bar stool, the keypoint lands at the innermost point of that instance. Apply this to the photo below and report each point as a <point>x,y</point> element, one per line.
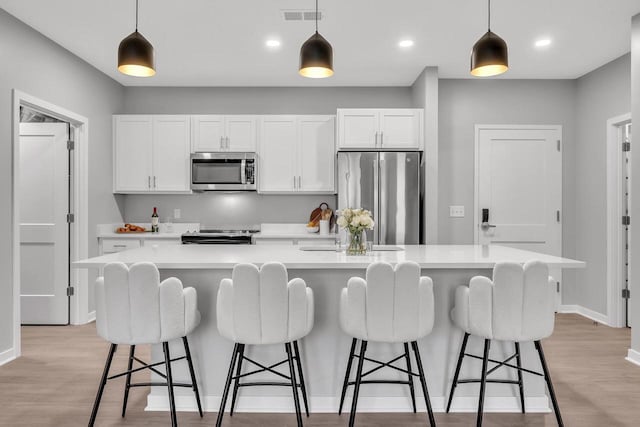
<point>391,306</point>
<point>134,308</point>
<point>261,306</point>
<point>517,305</point>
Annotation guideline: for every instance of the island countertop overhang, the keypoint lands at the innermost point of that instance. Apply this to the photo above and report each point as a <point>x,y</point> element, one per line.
<point>226,256</point>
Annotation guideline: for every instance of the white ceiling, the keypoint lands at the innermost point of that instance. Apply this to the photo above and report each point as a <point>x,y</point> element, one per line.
<point>222,42</point>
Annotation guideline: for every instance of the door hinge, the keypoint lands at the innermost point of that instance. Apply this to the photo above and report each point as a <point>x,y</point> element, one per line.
<point>626,146</point>
<point>626,220</point>
<point>70,291</point>
<point>558,141</point>
<point>70,218</point>
<point>558,216</point>
<point>626,293</point>
<point>71,145</point>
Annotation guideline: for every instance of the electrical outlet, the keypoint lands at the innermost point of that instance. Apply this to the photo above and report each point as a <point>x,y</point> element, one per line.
<point>176,214</point>
<point>456,211</point>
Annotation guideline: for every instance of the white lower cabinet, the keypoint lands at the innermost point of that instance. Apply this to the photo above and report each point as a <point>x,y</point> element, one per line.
<point>318,241</point>
<point>296,154</point>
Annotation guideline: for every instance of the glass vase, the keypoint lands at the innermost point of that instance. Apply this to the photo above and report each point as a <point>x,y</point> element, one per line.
<point>357,244</point>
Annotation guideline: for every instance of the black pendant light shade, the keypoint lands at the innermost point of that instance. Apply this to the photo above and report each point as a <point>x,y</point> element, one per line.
<point>135,54</point>
<point>316,57</point>
<point>489,56</point>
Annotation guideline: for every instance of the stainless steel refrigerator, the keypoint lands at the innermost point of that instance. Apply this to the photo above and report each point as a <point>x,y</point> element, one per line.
<point>389,184</point>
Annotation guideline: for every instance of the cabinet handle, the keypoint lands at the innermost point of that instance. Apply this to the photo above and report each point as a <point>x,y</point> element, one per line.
<point>149,181</point>
<point>294,183</point>
<point>381,138</point>
<point>154,182</point>
<point>221,143</point>
<point>299,183</point>
<point>228,145</point>
<point>119,246</point>
<point>375,141</point>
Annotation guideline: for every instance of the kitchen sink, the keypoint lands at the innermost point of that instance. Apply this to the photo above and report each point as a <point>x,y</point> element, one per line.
<point>376,248</point>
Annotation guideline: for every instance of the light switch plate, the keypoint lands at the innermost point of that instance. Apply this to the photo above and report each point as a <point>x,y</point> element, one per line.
<point>176,214</point>
<point>456,211</point>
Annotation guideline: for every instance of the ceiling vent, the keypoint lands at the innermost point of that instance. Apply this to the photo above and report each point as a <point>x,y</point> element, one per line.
<point>301,15</point>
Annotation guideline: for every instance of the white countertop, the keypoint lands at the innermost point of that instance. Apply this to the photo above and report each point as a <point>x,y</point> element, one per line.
<point>226,256</point>
<point>107,231</point>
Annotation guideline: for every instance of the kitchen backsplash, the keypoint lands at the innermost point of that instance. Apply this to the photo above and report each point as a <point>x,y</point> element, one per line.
<point>215,209</point>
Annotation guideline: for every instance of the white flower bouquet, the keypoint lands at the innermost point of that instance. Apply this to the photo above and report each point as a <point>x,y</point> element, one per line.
<point>355,221</point>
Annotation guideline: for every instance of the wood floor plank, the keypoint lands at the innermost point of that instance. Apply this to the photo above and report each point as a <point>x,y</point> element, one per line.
<point>55,382</point>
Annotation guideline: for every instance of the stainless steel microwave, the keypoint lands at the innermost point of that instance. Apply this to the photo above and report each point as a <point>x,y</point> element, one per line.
<point>223,171</point>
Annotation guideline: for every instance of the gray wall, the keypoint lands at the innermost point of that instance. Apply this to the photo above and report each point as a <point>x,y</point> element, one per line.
<point>465,103</point>
<point>246,208</point>
<point>601,94</point>
<point>39,67</point>
<point>635,190</point>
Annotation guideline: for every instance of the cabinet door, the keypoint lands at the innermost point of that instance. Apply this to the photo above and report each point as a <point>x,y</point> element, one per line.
<point>316,154</point>
<point>277,154</point>
<point>171,153</point>
<point>132,152</point>
<point>399,128</point>
<point>357,128</point>
<point>208,134</point>
<point>240,132</point>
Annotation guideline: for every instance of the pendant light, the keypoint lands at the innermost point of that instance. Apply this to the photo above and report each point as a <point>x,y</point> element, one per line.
<point>135,54</point>
<point>489,56</point>
<point>316,56</point>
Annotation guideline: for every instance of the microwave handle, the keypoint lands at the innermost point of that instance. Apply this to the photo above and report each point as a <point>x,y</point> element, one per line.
<point>243,171</point>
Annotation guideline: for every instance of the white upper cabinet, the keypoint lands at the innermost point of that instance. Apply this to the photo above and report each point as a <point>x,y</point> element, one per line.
<point>296,154</point>
<point>151,154</point>
<point>380,129</point>
<point>215,133</point>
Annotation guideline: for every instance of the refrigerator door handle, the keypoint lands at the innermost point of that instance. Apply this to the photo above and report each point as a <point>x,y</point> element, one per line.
<point>383,206</point>
<point>376,201</point>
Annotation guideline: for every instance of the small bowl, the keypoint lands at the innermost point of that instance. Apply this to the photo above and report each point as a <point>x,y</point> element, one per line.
<point>313,229</point>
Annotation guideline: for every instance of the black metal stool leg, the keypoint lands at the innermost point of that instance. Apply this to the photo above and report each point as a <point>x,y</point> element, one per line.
<point>520,383</point>
<point>103,382</point>
<point>294,386</point>
<point>356,388</point>
<point>237,380</point>
<point>547,377</point>
<point>172,401</point>
<point>127,385</point>
<point>407,357</point>
<point>303,387</point>
<point>483,382</point>
<point>347,374</point>
<point>187,352</point>
<point>454,384</point>
<point>423,383</point>
<point>227,384</point>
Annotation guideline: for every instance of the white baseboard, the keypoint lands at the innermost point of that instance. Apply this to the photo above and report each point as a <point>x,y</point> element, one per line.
<point>91,317</point>
<point>7,356</point>
<point>284,404</point>
<point>633,356</point>
<point>585,312</point>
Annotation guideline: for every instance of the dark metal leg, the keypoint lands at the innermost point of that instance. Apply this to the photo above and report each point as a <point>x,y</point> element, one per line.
<point>237,380</point>
<point>407,357</point>
<point>303,387</point>
<point>520,384</point>
<point>172,401</point>
<point>483,381</point>
<point>294,386</point>
<point>127,386</point>
<point>227,384</point>
<point>347,374</point>
<point>423,383</point>
<point>454,384</point>
<point>187,352</point>
<point>103,382</point>
<point>356,388</point>
<point>547,378</point>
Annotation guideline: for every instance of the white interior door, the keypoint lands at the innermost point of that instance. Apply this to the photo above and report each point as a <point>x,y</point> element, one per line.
<point>44,239</point>
<point>519,184</point>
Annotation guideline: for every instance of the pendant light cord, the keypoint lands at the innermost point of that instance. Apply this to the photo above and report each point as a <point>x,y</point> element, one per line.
<point>136,15</point>
<point>316,16</point>
<point>488,15</point>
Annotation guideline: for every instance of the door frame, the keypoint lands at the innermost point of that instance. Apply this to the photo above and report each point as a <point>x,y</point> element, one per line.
<point>79,243</point>
<point>615,206</point>
<point>476,174</point>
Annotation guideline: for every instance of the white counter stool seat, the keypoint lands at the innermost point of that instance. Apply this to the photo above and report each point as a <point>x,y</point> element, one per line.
<point>390,306</point>
<point>518,306</point>
<point>134,308</point>
<point>258,307</point>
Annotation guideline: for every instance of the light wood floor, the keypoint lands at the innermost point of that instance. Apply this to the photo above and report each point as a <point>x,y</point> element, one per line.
<point>55,381</point>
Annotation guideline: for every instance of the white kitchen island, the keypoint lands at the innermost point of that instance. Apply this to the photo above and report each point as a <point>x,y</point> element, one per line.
<point>325,350</point>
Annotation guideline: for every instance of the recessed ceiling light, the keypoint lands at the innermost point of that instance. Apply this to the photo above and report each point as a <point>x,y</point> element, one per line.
<point>543,42</point>
<point>406,43</point>
<point>273,43</point>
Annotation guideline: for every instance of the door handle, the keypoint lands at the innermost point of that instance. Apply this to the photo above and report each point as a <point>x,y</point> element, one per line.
<point>485,226</point>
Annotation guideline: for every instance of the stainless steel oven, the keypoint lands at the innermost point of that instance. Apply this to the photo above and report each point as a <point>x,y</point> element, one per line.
<point>223,171</point>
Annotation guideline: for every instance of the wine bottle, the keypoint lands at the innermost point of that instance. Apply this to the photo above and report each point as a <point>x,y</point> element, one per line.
<point>154,221</point>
